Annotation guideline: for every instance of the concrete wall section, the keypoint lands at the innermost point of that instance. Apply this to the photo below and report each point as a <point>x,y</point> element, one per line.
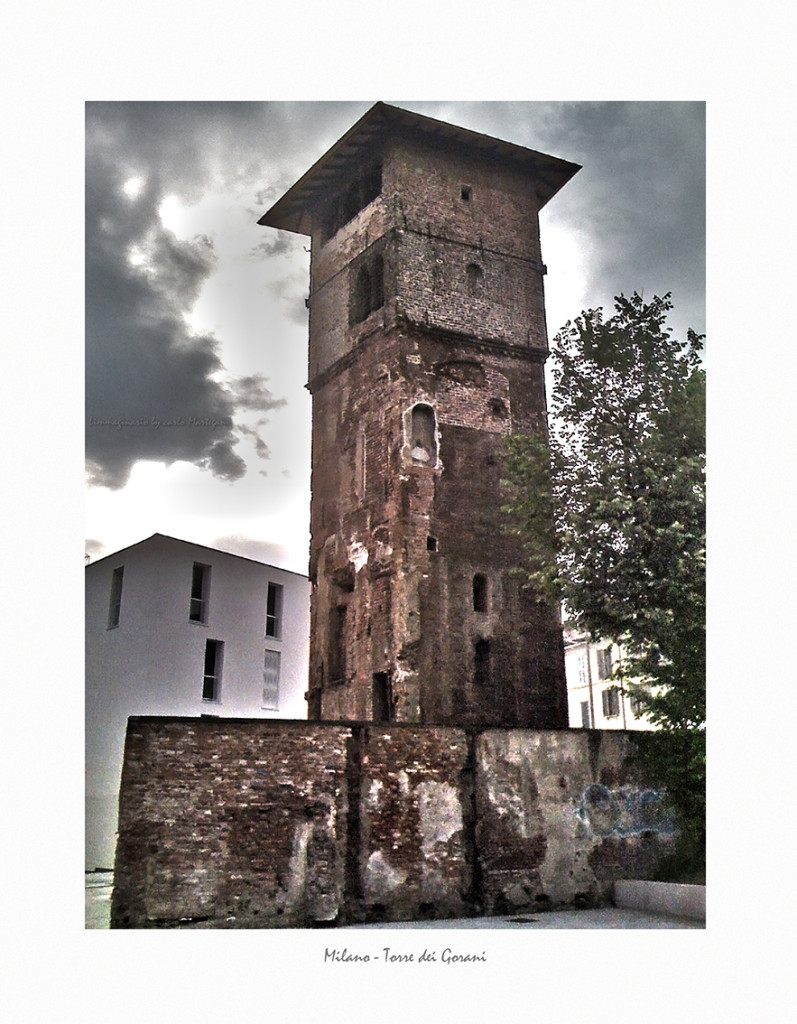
<point>559,816</point>
<point>670,898</point>
<point>240,824</point>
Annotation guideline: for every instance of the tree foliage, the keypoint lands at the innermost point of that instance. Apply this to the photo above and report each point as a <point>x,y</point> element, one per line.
<point>611,505</point>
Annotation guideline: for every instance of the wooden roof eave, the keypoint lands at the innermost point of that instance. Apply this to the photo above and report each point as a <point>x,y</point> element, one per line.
<point>293,212</point>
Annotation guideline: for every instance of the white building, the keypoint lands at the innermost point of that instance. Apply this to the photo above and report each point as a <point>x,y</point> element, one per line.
<point>174,628</point>
<point>594,699</point>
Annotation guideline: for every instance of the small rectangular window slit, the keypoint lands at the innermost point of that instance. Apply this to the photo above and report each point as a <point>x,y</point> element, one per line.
<point>200,591</point>
<point>479,592</point>
<point>274,611</point>
<point>211,685</point>
<point>115,607</point>
<point>271,680</point>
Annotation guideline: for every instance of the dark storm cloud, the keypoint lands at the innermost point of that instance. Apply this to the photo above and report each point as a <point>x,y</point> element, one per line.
<point>149,392</point>
<point>283,244</point>
<point>94,549</point>
<point>637,208</point>
<point>261,448</point>
<point>251,393</point>
<point>144,373</point>
<point>640,199</point>
<point>223,462</point>
<point>637,205</point>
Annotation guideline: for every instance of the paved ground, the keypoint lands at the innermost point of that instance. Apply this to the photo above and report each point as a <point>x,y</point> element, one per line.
<point>100,883</point>
<point>98,898</point>
<point>606,917</point>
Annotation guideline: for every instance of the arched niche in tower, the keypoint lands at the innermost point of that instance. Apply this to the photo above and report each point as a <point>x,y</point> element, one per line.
<point>421,435</point>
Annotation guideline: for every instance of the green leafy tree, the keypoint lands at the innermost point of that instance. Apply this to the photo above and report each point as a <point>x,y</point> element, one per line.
<point>610,505</point>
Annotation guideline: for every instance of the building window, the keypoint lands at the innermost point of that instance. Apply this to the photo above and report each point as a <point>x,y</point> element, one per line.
<point>362,463</point>
<point>361,191</point>
<point>637,710</point>
<point>382,698</point>
<point>611,702</point>
<point>337,643</point>
<point>115,605</point>
<point>480,592</point>
<point>605,663</point>
<point>211,685</point>
<point>423,436</point>
<point>582,670</point>
<point>431,543</point>
<point>200,593</point>
<point>586,721</point>
<point>466,193</point>
<point>271,680</point>
<point>482,674</point>
<point>474,275</point>
<point>368,292</point>
<point>274,611</point>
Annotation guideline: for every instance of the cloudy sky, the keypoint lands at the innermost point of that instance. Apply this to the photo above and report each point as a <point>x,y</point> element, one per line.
<point>197,419</point>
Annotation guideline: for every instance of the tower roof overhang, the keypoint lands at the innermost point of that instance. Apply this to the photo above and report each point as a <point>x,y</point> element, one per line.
<point>293,212</point>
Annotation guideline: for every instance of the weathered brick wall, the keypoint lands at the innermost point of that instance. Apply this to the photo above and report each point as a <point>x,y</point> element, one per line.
<point>415,802</point>
<point>410,608</point>
<point>423,181</point>
<point>240,822</point>
<point>429,237</point>
<point>433,289</point>
<point>457,328</point>
<point>236,824</point>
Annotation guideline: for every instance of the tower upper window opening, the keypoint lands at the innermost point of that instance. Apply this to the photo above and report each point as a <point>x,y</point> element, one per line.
<point>474,274</point>
<point>368,292</point>
<point>355,197</point>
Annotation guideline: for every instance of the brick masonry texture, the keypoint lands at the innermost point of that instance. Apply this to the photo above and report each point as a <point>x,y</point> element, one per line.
<point>257,824</point>
<point>408,609</point>
<point>397,542</point>
<point>414,856</point>
<point>240,821</point>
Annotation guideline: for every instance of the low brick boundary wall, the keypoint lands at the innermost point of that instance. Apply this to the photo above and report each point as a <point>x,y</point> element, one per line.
<point>258,823</point>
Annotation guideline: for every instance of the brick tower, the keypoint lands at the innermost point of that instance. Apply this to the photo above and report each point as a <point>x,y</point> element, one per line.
<point>427,346</point>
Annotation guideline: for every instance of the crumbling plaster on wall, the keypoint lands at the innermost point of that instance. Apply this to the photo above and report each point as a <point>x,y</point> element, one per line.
<point>308,823</point>
<point>410,535</point>
<point>548,819</point>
